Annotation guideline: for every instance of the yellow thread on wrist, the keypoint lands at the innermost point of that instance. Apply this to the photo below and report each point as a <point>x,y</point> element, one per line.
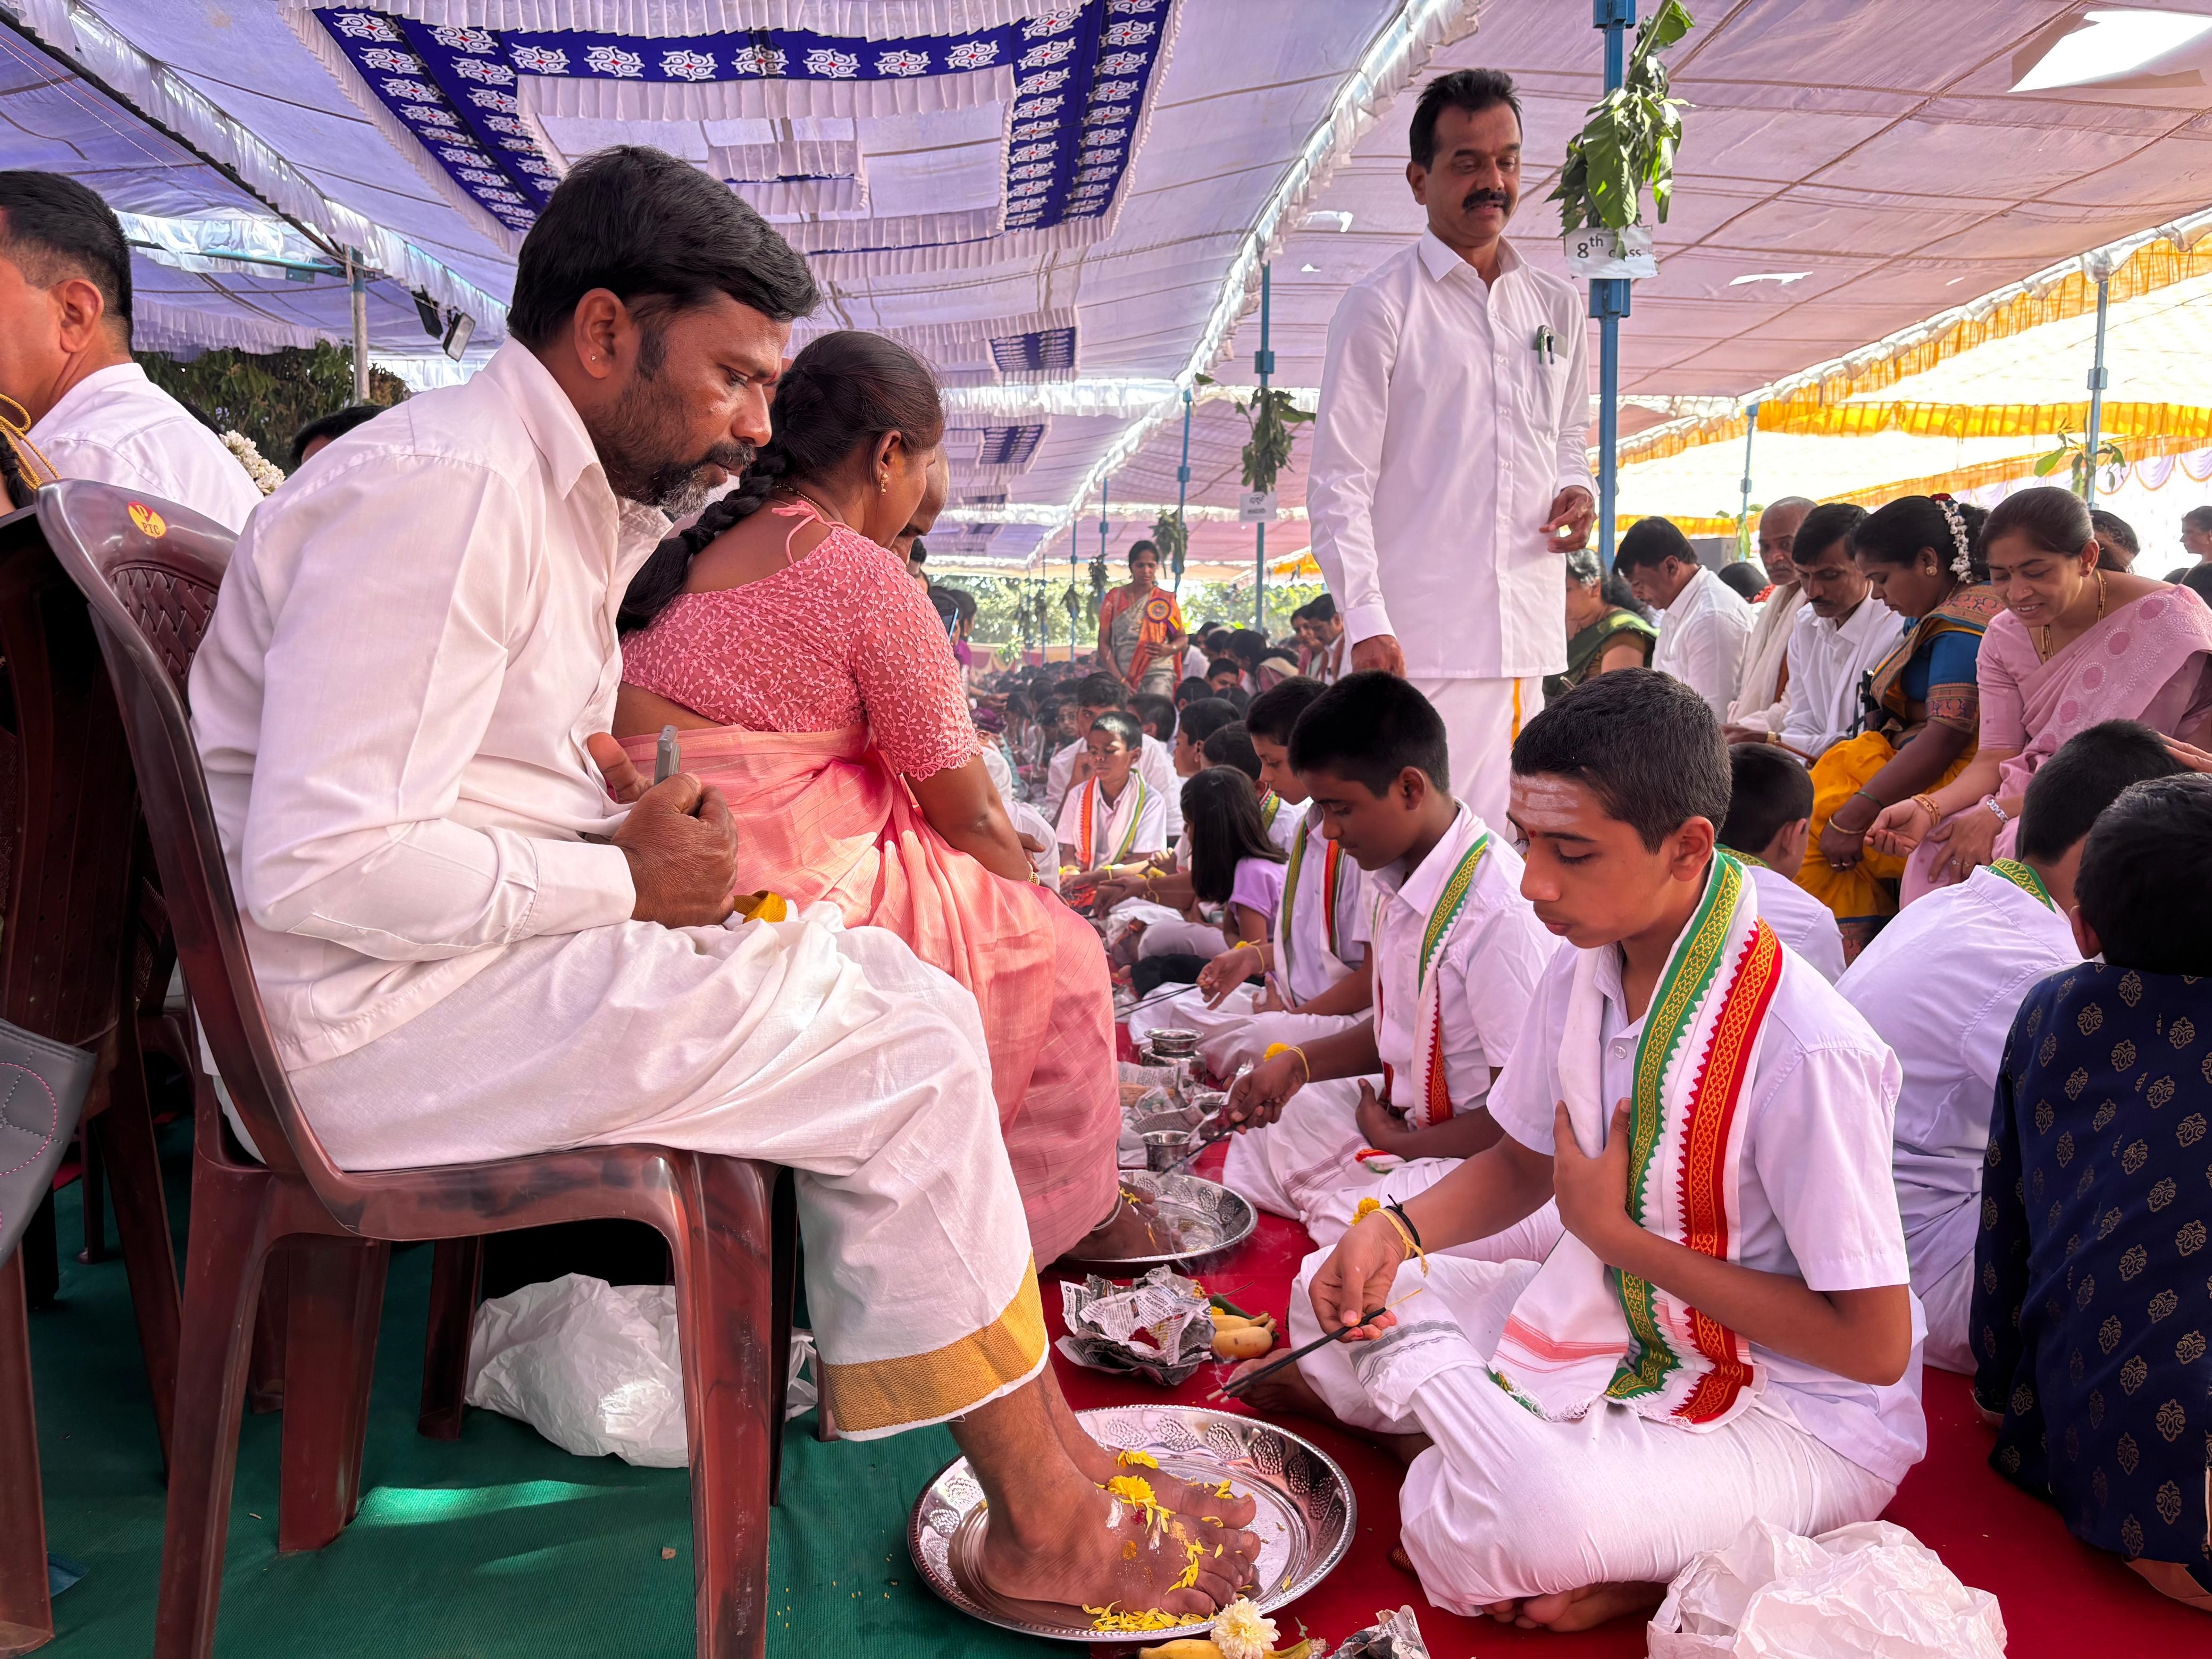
<point>1368,1206</point>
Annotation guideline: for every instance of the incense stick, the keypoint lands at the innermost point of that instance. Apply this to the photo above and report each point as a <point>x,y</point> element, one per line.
<point>1237,1387</point>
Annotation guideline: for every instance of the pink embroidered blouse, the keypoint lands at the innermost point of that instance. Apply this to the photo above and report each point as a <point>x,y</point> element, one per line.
<point>839,637</point>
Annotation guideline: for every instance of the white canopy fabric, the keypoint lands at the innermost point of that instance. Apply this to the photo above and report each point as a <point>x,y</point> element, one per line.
<point>1065,204</point>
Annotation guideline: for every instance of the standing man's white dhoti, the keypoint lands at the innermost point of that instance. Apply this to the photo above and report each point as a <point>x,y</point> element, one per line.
<point>1450,447</point>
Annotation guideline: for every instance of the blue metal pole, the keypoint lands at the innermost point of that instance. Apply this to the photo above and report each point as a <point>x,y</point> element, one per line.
<point>2099,379</point>
<point>1074,562</point>
<point>1182,490</point>
<point>1750,431</point>
<point>1263,364</point>
<point>1608,300</point>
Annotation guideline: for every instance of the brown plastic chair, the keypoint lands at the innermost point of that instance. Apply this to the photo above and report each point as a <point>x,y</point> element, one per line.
<point>150,586</point>
<point>69,954</point>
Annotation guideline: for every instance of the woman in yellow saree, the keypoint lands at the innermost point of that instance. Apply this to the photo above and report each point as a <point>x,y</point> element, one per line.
<point>1923,555</point>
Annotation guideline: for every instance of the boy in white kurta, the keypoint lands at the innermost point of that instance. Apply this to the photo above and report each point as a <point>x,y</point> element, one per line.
<point>1455,951</point>
<point>1769,818</point>
<point>1115,816</point>
<point>1724,1333</point>
<point>1941,983</point>
<point>1310,979</point>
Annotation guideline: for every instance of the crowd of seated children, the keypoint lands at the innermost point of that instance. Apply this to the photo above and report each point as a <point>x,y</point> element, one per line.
<point>1096,694</point>
<point>2090,1312</point>
<point>1724,1332</point>
<point>1941,985</point>
<point>1455,951</point>
<point>1308,979</point>
<point>1770,814</point>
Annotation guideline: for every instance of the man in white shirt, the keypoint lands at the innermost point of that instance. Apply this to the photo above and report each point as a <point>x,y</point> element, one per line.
<point>1321,630</point>
<point>1449,469</point>
<point>468,950</point>
<point>1704,624</point>
<point>1941,982</point>
<point>65,357</point>
<point>1839,638</point>
<point>1724,1333</point>
<point>1096,694</point>
<point>1759,704</point>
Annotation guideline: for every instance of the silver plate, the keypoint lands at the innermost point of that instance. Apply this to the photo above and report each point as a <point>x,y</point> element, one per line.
<point>1188,1217</point>
<point>1307,1514</point>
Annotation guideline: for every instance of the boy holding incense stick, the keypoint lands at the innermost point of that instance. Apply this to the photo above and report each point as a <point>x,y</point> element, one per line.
<point>1456,953</point>
<point>1726,1332</point>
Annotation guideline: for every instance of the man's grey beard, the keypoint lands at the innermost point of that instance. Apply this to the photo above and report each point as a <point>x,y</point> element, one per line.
<point>678,487</point>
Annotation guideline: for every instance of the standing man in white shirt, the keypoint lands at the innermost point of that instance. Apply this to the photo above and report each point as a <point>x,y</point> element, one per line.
<point>65,359</point>
<point>1839,638</point>
<point>1761,686</point>
<point>1449,470</point>
<point>1705,623</point>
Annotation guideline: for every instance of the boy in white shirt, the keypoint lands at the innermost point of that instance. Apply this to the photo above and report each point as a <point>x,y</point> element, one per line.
<point>1310,979</point>
<point>1115,816</point>
<point>1941,984</point>
<point>1770,815</point>
<point>1725,1333</point>
<point>1456,951</point>
<point>1096,694</point>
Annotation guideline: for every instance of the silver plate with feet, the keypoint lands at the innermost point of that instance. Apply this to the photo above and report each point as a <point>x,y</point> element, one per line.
<point>1165,1220</point>
<point>1306,1520</point>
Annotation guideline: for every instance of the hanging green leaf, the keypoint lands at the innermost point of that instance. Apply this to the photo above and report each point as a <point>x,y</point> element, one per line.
<point>1270,414</point>
<point>1629,141</point>
<point>1172,537</point>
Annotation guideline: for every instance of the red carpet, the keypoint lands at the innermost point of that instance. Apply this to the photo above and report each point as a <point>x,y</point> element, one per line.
<point>2060,1597</point>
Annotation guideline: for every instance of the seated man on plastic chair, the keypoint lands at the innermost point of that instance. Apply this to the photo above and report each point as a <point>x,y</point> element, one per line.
<point>478,935</point>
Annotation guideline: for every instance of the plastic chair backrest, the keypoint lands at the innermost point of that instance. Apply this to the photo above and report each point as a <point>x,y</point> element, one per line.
<point>150,572</point>
<point>70,877</point>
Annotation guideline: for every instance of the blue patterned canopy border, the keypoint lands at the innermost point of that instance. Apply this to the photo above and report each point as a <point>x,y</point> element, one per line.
<point>1082,73</point>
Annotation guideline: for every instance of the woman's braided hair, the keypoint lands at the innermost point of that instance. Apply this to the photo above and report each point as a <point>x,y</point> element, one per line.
<point>841,394</point>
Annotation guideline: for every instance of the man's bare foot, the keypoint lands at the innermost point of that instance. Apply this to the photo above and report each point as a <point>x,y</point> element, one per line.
<point>1099,1465</point>
<point>1288,1393</point>
<point>1581,1609</point>
<point>1101,1553</point>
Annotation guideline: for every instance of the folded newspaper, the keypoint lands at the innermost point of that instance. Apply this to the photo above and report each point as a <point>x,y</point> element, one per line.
<point>1156,1327</point>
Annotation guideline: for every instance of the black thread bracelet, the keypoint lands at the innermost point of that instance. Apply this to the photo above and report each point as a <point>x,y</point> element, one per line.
<point>1399,1210</point>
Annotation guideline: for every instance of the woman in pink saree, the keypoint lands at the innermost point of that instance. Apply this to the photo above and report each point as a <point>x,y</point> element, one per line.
<point>2074,646</point>
<point>813,683</point>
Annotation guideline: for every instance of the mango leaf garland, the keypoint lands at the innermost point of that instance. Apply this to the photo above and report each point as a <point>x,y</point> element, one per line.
<point>1630,139</point>
<point>1172,537</point>
<point>1270,414</point>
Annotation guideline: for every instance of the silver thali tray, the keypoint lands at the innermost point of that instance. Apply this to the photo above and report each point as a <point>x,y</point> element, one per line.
<point>1177,1219</point>
<point>1306,1517</point>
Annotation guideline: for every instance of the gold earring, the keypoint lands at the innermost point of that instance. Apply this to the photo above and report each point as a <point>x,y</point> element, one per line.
<point>883,482</point>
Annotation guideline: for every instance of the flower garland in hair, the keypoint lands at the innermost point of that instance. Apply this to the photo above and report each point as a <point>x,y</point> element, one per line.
<point>265,477</point>
<point>1962,565</point>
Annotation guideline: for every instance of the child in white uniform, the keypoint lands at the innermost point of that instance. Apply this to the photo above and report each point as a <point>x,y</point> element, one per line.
<point>1457,952</point>
<point>1116,815</point>
<point>1941,984</point>
<point>1770,815</point>
<point>1725,1333</point>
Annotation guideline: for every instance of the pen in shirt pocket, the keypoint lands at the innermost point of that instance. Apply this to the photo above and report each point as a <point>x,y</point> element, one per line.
<point>1548,346</point>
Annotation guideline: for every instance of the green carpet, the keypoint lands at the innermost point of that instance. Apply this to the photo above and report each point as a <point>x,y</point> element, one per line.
<point>497,1544</point>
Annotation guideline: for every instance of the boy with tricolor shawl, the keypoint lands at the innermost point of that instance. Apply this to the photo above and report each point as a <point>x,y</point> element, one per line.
<point>1308,979</point>
<point>1725,1332</point>
<point>1941,983</point>
<point>1115,816</point>
<point>1456,953</point>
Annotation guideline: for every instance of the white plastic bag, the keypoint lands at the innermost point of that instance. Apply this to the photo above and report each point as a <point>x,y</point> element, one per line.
<point>595,1368</point>
<point>1869,1589</point>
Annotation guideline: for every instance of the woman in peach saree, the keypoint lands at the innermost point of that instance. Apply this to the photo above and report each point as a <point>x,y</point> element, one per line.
<point>813,683</point>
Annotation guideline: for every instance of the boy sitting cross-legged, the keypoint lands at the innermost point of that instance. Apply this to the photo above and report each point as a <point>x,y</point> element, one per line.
<point>1456,953</point>
<point>1310,979</point>
<point>1725,1333</point>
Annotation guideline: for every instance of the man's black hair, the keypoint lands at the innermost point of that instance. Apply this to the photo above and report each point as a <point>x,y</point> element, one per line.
<point>1369,727</point>
<point>1275,712</point>
<point>1151,708</point>
<point>332,426</point>
<point>1644,744</point>
<point>1745,578</point>
<point>1651,543</point>
<point>1102,691</point>
<point>1202,719</point>
<point>1470,89</point>
<point>1320,608</point>
<point>1238,699</point>
<point>1123,725</point>
<point>2087,773</point>
<point>2142,886</point>
<point>918,551</point>
<point>1192,690</point>
<point>1767,790</point>
<point>657,234</point>
<point>1231,745</point>
<point>1219,665</point>
<point>52,228</point>
<point>1823,527</point>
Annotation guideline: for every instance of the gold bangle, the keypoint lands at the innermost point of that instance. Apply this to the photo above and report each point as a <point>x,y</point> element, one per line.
<point>1928,803</point>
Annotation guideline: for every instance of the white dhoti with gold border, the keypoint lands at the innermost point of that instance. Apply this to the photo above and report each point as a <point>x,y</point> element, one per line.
<point>835,1053</point>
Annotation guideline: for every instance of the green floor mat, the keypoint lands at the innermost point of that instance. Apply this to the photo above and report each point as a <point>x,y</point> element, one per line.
<point>500,1544</point>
